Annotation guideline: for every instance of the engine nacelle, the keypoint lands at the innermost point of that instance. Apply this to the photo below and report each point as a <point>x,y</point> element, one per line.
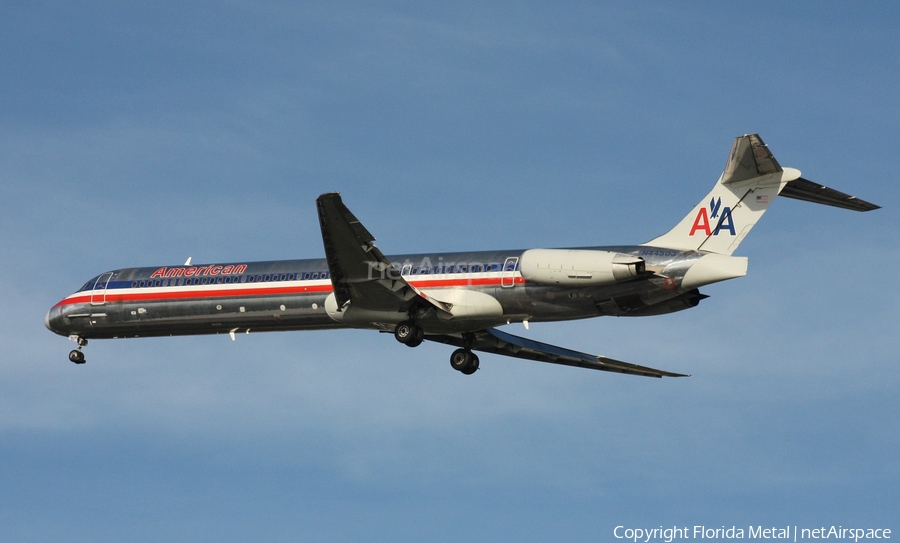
<point>579,267</point>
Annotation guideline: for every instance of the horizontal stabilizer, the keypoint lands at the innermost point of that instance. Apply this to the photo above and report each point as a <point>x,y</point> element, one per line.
<point>804,189</point>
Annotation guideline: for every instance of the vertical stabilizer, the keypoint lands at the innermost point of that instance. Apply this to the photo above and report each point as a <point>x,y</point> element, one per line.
<point>749,184</point>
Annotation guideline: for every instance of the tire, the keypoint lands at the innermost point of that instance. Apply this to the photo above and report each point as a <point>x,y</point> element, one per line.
<point>459,360</point>
<point>464,361</point>
<point>409,334</point>
<point>417,338</point>
<point>405,332</point>
<point>473,365</point>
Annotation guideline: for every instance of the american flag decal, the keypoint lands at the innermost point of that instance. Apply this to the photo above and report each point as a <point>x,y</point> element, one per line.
<point>762,199</point>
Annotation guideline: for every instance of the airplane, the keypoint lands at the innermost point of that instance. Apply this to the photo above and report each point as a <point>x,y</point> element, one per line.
<point>459,299</point>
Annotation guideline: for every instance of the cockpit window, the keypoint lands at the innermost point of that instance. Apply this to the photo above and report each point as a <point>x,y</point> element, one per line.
<point>89,285</point>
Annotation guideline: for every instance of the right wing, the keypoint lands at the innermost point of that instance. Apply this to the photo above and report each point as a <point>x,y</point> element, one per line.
<point>494,341</point>
<point>360,273</point>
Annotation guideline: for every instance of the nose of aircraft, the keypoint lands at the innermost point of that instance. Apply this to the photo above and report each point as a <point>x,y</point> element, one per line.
<point>53,323</point>
<point>47,321</point>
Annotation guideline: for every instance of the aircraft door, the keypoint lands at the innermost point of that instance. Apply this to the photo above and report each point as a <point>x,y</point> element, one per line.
<point>508,276</point>
<point>98,293</point>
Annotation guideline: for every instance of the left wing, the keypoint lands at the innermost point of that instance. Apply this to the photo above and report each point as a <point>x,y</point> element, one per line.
<point>494,341</point>
<point>360,273</point>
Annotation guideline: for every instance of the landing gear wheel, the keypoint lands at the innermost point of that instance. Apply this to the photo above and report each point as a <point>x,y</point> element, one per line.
<point>464,361</point>
<point>473,365</point>
<point>76,356</point>
<point>418,338</point>
<point>409,334</point>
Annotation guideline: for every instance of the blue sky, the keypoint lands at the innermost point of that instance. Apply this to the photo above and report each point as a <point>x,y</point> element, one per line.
<point>141,135</point>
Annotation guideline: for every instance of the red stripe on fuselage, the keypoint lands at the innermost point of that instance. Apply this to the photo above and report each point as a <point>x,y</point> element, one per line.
<point>190,293</point>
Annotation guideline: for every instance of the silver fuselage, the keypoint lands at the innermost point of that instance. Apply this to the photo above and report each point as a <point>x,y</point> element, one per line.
<point>291,295</point>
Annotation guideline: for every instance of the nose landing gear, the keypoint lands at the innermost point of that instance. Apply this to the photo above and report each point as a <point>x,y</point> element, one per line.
<point>76,356</point>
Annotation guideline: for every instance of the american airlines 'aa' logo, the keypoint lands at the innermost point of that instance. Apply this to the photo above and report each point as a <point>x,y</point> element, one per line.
<point>715,212</point>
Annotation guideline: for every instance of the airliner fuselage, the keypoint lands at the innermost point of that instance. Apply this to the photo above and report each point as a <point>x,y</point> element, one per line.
<point>454,298</point>
<point>293,295</point>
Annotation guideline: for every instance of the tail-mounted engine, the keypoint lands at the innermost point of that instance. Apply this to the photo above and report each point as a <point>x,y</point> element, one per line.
<point>579,267</point>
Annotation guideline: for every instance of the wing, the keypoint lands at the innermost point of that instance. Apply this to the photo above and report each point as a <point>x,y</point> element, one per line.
<point>494,341</point>
<point>360,273</point>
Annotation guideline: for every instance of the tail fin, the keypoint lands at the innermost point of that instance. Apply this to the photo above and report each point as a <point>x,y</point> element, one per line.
<point>751,181</point>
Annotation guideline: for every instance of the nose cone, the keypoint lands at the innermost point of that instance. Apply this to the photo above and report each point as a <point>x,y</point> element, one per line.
<point>54,321</point>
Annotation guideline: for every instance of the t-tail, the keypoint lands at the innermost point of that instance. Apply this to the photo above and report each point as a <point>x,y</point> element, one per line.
<point>751,181</point>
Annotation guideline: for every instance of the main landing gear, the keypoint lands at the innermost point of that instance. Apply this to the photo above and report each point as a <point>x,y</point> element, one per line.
<point>76,355</point>
<point>465,361</point>
<point>412,335</point>
<point>409,334</point>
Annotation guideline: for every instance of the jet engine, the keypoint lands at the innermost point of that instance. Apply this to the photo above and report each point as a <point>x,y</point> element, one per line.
<point>579,267</point>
